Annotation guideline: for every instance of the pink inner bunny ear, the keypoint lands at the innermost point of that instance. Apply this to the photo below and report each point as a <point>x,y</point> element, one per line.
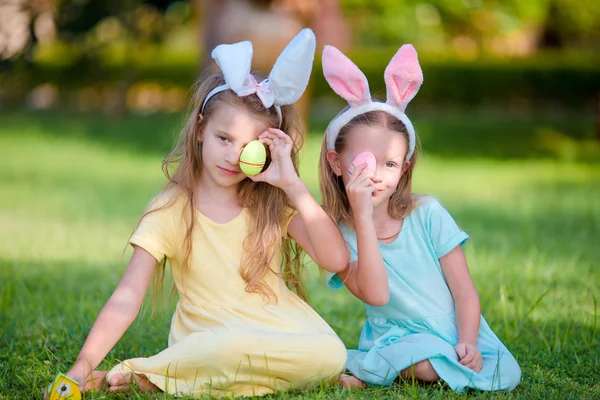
<point>344,77</point>
<point>403,77</point>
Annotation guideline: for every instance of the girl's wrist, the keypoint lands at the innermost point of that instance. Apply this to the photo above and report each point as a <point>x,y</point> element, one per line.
<point>362,219</point>
<point>81,370</point>
<point>295,188</point>
<point>77,376</point>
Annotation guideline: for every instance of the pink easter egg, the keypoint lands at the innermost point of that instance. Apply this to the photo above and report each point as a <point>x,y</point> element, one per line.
<point>364,157</point>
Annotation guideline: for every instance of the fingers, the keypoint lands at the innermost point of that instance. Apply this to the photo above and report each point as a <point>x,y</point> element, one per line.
<point>478,366</point>
<point>361,183</point>
<point>461,351</point>
<point>357,170</point>
<point>274,138</point>
<point>468,359</point>
<point>119,389</point>
<point>468,356</point>
<point>267,141</point>
<point>120,379</point>
<point>475,365</point>
<point>363,179</point>
<point>95,381</point>
<point>471,359</point>
<point>258,178</point>
<point>122,383</point>
<point>477,362</point>
<point>360,174</point>
<point>280,134</point>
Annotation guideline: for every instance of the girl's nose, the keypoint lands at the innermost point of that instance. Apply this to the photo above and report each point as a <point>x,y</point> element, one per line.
<point>233,156</point>
<point>376,177</point>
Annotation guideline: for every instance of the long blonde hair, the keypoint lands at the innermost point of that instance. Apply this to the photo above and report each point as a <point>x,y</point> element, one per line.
<point>267,204</point>
<point>335,199</point>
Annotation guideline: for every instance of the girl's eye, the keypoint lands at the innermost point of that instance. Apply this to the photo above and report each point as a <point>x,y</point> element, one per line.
<point>390,164</point>
<point>223,139</point>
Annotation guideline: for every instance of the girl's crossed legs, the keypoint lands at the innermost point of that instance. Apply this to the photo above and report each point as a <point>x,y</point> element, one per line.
<point>422,371</point>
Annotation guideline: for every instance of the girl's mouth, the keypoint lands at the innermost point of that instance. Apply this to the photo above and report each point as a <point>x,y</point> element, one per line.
<point>228,171</point>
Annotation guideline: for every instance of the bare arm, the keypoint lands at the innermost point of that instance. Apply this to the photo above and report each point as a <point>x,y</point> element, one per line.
<point>466,299</point>
<point>315,232</point>
<point>367,278</point>
<point>466,302</point>
<point>117,314</point>
<point>312,228</point>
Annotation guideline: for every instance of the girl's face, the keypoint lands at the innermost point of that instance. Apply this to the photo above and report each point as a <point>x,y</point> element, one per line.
<point>224,137</point>
<point>389,147</point>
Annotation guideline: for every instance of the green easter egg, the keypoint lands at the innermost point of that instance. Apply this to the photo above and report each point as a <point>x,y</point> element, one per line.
<point>253,158</point>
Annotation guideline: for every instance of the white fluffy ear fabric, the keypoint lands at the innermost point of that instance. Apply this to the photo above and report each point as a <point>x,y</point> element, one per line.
<point>287,81</point>
<point>235,61</point>
<point>291,72</point>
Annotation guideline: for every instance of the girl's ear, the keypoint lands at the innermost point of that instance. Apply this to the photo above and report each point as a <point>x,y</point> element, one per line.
<point>405,166</point>
<point>198,121</point>
<point>334,162</point>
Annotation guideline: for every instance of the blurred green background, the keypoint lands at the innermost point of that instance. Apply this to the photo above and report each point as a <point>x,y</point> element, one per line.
<point>132,55</point>
<point>93,93</point>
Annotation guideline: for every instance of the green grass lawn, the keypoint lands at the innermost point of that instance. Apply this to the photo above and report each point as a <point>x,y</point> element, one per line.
<point>527,190</point>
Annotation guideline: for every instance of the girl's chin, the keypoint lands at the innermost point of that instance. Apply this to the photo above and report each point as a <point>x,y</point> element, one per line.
<point>380,201</point>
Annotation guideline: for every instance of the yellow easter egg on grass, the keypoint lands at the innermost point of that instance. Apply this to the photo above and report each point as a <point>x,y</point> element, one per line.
<point>253,158</point>
<point>63,388</point>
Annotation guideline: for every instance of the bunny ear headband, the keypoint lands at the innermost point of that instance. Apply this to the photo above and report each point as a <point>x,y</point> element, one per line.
<point>403,78</point>
<point>286,82</point>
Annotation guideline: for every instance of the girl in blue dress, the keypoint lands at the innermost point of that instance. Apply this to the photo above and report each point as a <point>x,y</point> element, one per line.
<point>407,263</point>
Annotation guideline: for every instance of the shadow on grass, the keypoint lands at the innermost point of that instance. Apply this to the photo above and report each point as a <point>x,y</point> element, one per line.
<point>561,220</point>
<point>154,134</point>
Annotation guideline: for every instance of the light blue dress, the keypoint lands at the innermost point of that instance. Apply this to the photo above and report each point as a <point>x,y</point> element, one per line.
<point>419,321</point>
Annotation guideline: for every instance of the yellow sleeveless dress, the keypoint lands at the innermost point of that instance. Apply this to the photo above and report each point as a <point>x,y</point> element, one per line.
<point>224,341</point>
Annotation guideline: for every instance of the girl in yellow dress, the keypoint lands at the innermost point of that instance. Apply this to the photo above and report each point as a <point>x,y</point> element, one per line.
<point>233,243</point>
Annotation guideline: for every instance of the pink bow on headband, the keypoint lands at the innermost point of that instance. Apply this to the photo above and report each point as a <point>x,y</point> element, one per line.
<point>262,90</point>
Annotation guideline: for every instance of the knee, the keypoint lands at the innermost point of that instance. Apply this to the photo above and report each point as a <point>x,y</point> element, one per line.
<point>422,371</point>
<point>510,373</point>
<point>327,358</point>
<point>333,353</point>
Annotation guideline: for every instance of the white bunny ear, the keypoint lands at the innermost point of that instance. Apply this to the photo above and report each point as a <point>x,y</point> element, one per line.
<point>290,74</point>
<point>403,77</point>
<point>344,77</point>
<point>235,61</point>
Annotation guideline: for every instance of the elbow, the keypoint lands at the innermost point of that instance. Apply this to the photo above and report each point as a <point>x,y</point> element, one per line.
<point>125,303</point>
<point>337,262</point>
<point>125,310</point>
<point>378,299</point>
<point>341,263</point>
